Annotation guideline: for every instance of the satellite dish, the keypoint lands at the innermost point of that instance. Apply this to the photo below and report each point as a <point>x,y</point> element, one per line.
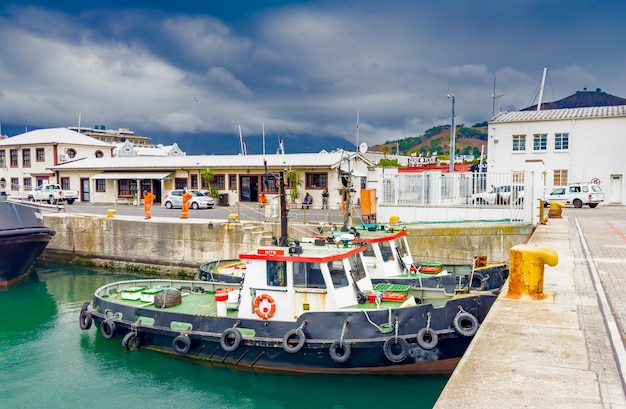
<point>363,147</point>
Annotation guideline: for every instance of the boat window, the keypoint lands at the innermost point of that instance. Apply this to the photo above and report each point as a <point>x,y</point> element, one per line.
<point>386,251</point>
<point>369,250</point>
<point>276,273</point>
<point>401,246</point>
<point>357,269</point>
<point>338,273</point>
<point>308,275</point>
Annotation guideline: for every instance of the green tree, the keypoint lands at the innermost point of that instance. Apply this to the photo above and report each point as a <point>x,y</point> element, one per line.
<point>294,179</point>
<point>208,176</point>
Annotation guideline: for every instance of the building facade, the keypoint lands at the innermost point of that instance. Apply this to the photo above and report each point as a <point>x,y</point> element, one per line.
<point>563,146</point>
<point>26,160</point>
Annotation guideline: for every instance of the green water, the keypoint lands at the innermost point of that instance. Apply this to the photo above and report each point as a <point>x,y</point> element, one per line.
<point>46,361</point>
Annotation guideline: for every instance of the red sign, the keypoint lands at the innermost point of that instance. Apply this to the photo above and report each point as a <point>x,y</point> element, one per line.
<point>595,181</point>
<point>270,252</point>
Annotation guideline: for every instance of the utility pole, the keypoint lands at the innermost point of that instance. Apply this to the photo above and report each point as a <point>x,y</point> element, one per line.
<point>452,136</point>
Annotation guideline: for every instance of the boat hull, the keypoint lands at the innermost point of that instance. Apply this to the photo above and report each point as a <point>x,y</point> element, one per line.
<point>379,341</point>
<point>24,237</point>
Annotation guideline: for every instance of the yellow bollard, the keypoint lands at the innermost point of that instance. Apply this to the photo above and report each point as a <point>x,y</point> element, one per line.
<point>526,275</point>
<point>556,210</point>
<point>394,219</point>
<point>111,212</point>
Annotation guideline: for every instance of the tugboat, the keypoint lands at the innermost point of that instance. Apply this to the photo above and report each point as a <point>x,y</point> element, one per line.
<point>389,260</point>
<point>306,306</point>
<point>23,237</point>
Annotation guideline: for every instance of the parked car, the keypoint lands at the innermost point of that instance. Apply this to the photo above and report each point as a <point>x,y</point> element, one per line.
<point>499,195</point>
<point>52,193</point>
<point>200,200</point>
<point>576,194</point>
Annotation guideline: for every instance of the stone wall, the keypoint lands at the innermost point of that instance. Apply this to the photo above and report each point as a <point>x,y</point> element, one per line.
<point>173,247</point>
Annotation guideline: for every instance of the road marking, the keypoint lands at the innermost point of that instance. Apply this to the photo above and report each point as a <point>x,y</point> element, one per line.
<point>619,233</point>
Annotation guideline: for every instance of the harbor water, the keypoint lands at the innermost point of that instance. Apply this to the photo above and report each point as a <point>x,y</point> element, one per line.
<point>47,361</point>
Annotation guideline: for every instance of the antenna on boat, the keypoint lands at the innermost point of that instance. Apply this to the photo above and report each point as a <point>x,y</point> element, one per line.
<point>284,233</point>
<point>543,83</point>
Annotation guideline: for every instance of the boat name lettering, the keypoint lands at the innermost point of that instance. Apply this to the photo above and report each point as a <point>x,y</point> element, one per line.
<point>271,252</point>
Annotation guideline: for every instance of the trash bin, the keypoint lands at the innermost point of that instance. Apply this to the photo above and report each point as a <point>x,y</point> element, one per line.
<point>223,199</point>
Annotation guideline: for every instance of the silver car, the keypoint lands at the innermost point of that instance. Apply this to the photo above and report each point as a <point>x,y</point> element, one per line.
<point>200,200</point>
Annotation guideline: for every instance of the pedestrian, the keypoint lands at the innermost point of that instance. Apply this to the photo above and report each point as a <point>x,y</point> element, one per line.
<point>186,198</point>
<point>148,199</point>
<point>325,198</point>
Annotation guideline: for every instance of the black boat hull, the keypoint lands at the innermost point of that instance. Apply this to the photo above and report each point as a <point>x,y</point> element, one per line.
<point>23,238</point>
<point>263,346</point>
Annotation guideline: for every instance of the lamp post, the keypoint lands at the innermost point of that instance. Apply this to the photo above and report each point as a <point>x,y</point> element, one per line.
<point>452,136</point>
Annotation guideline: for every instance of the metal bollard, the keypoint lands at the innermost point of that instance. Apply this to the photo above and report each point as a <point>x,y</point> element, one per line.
<point>526,275</point>
<point>111,212</point>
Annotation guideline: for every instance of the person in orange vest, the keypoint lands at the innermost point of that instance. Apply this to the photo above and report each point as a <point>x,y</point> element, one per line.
<point>148,199</point>
<point>186,198</point>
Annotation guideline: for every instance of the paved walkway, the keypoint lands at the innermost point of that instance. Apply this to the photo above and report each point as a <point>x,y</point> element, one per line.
<point>568,350</point>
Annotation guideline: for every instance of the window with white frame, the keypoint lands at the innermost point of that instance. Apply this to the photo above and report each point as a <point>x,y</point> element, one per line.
<point>519,143</point>
<point>540,142</point>
<point>561,141</point>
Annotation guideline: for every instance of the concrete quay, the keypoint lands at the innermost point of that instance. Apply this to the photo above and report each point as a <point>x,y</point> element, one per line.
<point>566,351</point>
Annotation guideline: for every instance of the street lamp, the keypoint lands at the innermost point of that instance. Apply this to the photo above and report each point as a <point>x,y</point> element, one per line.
<point>452,135</point>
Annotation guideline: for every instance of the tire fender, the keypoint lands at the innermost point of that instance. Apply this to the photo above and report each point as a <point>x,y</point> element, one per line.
<point>465,324</point>
<point>294,333</point>
<point>230,339</point>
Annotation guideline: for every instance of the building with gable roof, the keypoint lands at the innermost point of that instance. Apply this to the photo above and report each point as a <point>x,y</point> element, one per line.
<point>26,160</point>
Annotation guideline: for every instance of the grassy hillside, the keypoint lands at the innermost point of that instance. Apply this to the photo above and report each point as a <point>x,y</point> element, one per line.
<point>469,140</point>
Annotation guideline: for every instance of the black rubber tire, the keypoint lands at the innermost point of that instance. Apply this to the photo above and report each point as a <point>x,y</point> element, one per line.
<point>195,206</point>
<point>168,205</point>
<point>465,324</point>
<point>593,205</point>
<point>478,282</point>
<point>108,329</point>
<point>427,338</point>
<point>131,341</point>
<point>339,352</point>
<point>85,320</point>
<point>31,199</point>
<point>294,333</point>
<point>396,349</point>
<point>577,203</point>
<point>230,339</point>
<point>181,344</point>
<point>70,201</point>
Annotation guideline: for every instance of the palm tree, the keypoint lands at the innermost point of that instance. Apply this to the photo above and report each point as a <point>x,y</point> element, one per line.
<point>294,178</point>
<point>207,177</point>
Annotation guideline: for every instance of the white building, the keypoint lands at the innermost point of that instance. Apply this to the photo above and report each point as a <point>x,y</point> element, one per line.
<point>26,159</point>
<point>563,146</point>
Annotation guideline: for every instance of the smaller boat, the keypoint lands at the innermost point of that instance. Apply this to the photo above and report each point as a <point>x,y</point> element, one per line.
<point>24,237</point>
<point>228,271</point>
<point>389,260</point>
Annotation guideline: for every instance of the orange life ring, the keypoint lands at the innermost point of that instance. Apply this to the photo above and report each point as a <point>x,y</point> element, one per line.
<point>264,314</point>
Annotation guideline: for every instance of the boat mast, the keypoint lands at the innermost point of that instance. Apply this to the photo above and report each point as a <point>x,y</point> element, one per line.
<point>543,83</point>
<point>284,233</point>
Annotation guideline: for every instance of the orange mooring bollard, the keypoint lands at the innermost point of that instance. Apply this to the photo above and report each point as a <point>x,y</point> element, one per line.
<point>526,275</point>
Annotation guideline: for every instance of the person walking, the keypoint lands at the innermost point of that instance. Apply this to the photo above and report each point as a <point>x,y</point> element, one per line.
<point>186,198</point>
<point>325,198</point>
<point>148,199</point>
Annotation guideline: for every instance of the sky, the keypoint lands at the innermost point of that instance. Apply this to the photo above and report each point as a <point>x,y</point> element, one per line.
<point>298,67</point>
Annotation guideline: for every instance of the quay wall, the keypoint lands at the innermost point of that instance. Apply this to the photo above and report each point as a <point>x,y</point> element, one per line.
<point>168,246</point>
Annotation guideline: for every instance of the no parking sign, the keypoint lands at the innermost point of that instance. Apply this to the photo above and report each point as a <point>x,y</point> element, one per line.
<point>595,181</point>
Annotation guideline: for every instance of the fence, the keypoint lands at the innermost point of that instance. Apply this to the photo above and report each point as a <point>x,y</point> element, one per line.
<point>459,196</point>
